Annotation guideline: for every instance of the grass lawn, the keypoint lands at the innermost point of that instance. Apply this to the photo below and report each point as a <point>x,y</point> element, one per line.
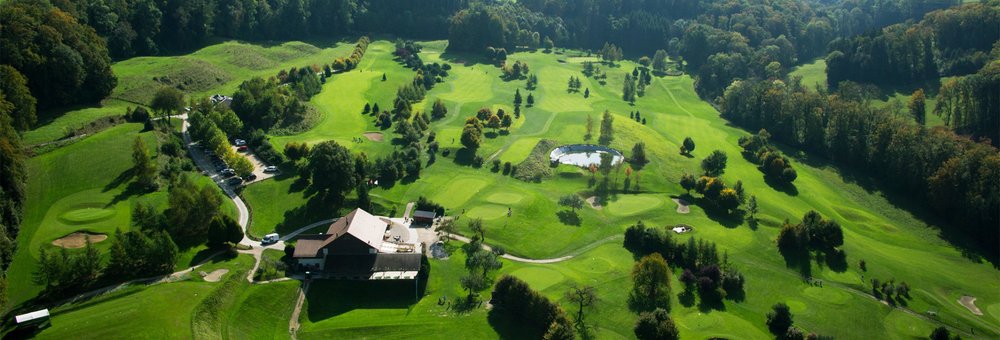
<point>813,73</point>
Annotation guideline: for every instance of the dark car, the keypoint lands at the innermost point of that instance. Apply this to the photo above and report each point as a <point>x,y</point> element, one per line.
<point>242,148</point>
<point>250,178</point>
<point>234,181</point>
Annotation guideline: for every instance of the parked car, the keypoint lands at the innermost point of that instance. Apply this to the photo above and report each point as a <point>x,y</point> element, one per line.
<point>242,148</point>
<point>239,142</point>
<point>269,238</point>
<point>270,169</point>
<point>228,172</point>
<point>234,181</point>
<point>250,178</point>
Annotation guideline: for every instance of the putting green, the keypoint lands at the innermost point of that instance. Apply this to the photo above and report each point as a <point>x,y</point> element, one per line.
<point>701,321</point>
<point>487,211</point>
<point>796,306</point>
<point>87,214</point>
<point>631,205</point>
<point>593,265</point>
<point>505,197</point>
<point>904,324</point>
<point>827,294</point>
<point>539,277</point>
<point>459,191</point>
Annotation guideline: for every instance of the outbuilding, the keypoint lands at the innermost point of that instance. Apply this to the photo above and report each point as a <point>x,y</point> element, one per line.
<point>423,216</point>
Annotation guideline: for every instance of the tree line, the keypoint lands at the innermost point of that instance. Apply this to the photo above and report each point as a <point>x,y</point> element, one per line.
<point>952,175</point>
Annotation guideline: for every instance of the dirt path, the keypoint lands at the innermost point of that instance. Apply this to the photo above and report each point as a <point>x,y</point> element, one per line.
<point>571,255</point>
<point>215,275</point>
<point>293,323</point>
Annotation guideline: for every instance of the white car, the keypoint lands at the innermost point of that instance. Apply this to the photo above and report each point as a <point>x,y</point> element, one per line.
<point>239,142</point>
<point>270,168</point>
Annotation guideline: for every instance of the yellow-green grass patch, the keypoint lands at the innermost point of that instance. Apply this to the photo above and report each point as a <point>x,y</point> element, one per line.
<point>539,278</point>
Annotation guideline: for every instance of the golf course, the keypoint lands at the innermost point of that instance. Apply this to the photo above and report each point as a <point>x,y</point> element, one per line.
<point>80,187</point>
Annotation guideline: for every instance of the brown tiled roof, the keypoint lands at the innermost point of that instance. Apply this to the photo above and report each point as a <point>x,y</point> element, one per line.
<point>309,246</point>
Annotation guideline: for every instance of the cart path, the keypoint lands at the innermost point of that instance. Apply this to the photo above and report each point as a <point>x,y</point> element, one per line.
<point>571,255</point>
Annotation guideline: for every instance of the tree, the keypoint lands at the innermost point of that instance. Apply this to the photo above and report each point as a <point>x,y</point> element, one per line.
<point>752,210</point>
<point>728,199</point>
<point>607,130</point>
<point>506,122</point>
<point>660,61</point>
<point>942,333</point>
<point>590,129</point>
<point>688,146</point>
<point>473,283</point>
<point>572,201</point>
<point>583,297</point>
<point>714,164</point>
<point>332,169</point>
<point>918,108</point>
<point>531,100</point>
<point>471,137</point>
<point>655,325</point>
<point>14,87</point>
<point>142,165</point>
<point>549,45</point>
<point>438,111</point>
<point>650,283</point>
<point>638,159</point>
<point>493,122</point>
<point>167,101</point>
<point>687,182</point>
<point>586,93</point>
<point>779,319</point>
<point>190,209</point>
<point>224,230</point>
<point>517,97</point>
<point>628,89</point>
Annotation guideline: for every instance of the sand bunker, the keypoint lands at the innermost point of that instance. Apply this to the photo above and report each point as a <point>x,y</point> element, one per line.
<point>78,240</point>
<point>374,136</point>
<point>682,205</point>
<point>592,200</point>
<point>215,275</point>
<point>970,303</point>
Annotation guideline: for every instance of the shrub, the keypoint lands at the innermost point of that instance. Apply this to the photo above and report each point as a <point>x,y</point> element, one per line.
<point>537,166</point>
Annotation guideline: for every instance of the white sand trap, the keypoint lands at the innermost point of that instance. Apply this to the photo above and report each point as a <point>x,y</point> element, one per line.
<point>970,303</point>
<point>682,205</point>
<point>215,275</point>
<point>374,136</point>
<point>592,200</point>
<point>78,240</point>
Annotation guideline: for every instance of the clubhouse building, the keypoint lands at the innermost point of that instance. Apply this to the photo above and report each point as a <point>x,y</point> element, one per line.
<point>361,246</point>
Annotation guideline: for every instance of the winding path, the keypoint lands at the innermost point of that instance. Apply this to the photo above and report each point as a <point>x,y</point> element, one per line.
<point>571,255</point>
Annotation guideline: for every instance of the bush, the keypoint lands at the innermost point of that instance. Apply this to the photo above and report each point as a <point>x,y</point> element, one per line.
<point>537,166</point>
<point>478,161</point>
<point>496,165</point>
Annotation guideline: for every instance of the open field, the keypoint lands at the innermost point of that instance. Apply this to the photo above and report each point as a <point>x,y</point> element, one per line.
<point>894,242</point>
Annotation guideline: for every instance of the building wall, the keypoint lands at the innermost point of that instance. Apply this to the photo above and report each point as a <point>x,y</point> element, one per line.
<point>311,262</point>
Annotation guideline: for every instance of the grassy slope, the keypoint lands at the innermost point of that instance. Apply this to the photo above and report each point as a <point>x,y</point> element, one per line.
<point>874,229</point>
<point>90,175</point>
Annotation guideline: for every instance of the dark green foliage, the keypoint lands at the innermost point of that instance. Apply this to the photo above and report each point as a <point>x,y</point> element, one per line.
<point>779,319</point>
<point>638,159</point>
<point>427,205</point>
<point>515,300</point>
<point>65,62</point>
<point>14,87</point>
<point>942,333</point>
<point>650,283</point>
<point>655,325</point>
<point>954,176</point>
<point>968,104</point>
<point>688,146</point>
<point>167,101</point>
<point>332,169</point>
<point>714,164</point>
<point>13,175</point>
<point>224,230</point>
<point>265,104</point>
<point>58,270</point>
<point>191,210</point>
<point>757,148</point>
<point>607,130</point>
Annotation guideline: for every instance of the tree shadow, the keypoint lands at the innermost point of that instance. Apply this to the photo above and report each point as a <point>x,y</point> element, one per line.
<point>836,260</point>
<point>464,156</point>
<point>122,178</point>
<point>133,189</point>
<point>316,208</point>
<point>798,259</point>
<point>727,219</point>
<point>510,327</point>
<point>782,186</point>
<point>569,217</point>
<point>710,304</point>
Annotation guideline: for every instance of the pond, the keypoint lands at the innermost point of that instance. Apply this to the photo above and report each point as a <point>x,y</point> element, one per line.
<point>583,155</point>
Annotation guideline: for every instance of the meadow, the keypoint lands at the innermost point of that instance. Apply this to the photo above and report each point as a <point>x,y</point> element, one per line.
<point>895,242</point>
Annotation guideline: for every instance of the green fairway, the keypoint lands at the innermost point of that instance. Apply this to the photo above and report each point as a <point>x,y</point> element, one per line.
<point>813,74</point>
